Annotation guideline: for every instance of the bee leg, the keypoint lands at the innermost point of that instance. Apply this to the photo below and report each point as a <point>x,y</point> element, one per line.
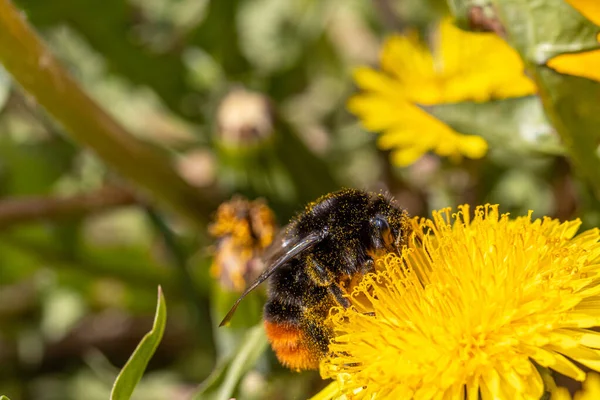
<point>338,294</point>
<point>317,273</point>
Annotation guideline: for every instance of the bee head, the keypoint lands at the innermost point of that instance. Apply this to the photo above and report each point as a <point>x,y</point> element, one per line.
<point>387,226</point>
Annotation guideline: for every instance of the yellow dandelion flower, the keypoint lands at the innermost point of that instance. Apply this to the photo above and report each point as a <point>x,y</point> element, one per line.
<point>587,63</point>
<point>590,391</point>
<point>465,66</point>
<point>472,307</point>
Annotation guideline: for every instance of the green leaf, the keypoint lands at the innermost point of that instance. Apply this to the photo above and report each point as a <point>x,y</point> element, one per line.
<point>546,29</point>
<point>2,397</point>
<point>517,125</point>
<point>132,372</point>
<point>226,376</point>
<point>540,31</point>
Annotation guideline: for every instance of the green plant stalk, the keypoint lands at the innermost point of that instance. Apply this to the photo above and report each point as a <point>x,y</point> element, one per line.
<point>225,378</point>
<point>198,311</point>
<point>31,64</point>
<point>254,345</point>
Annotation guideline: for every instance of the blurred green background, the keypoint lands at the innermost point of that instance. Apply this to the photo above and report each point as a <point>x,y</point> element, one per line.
<point>245,97</point>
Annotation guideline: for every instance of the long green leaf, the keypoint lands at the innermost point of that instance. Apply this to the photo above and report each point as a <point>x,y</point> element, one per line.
<point>2,397</point>
<point>132,372</point>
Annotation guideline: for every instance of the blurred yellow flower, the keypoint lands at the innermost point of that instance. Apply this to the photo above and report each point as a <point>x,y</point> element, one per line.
<point>243,230</point>
<point>464,66</point>
<point>590,391</point>
<point>585,64</point>
<point>468,309</point>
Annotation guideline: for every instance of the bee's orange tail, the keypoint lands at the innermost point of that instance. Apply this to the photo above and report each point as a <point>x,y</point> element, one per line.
<point>291,346</point>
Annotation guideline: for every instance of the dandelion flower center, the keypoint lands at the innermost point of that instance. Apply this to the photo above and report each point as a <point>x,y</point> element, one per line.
<point>472,307</point>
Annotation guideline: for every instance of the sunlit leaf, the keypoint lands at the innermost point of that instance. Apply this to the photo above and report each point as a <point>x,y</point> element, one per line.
<point>585,64</point>
<point>549,29</point>
<point>517,125</point>
<point>544,31</point>
<point>133,370</point>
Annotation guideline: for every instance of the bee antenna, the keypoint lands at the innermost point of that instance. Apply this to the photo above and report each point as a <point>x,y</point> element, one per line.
<point>231,312</point>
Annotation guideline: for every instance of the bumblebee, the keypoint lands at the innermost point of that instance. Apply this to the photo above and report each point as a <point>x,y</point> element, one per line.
<point>323,251</point>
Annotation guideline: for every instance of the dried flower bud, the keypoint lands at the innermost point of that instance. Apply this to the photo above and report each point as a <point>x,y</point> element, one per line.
<point>243,229</point>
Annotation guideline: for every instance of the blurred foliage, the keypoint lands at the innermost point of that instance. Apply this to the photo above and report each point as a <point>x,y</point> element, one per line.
<point>77,288</point>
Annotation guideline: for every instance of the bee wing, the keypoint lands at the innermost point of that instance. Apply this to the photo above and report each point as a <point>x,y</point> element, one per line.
<point>287,251</point>
<point>278,246</point>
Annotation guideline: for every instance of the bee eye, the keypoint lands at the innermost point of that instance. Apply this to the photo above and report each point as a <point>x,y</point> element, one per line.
<point>380,224</point>
<point>382,230</point>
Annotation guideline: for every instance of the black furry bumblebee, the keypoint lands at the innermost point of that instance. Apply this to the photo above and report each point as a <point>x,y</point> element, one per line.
<point>324,249</point>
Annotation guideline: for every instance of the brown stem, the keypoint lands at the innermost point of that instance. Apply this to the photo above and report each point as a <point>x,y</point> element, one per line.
<point>32,208</point>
